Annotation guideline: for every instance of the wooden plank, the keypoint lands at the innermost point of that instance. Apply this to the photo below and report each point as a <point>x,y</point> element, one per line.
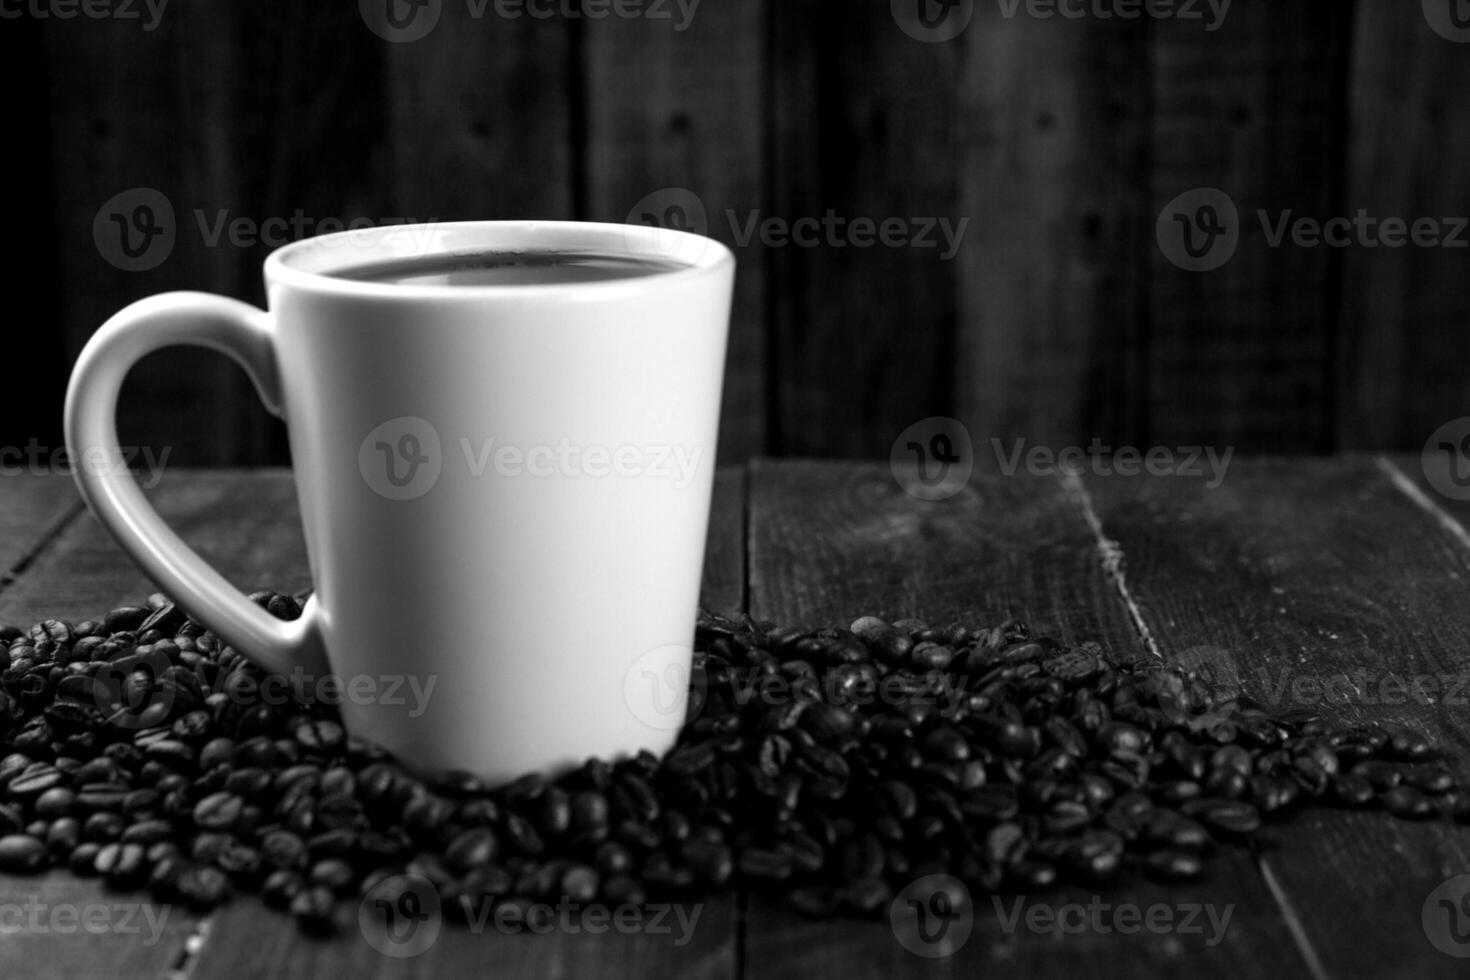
<point>1053,129</point>
<point>275,94</point>
<point>121,147</point>
<point>673,110</point>
<point>833,541</point>
<point>1425,478</point>
<point>33,507</point>
<point>706,950</point>
<point>723,589</point>
<point>245,523</point>
<point>1404,346</point>
<point>1318,575</point>
<point>481,118</point>
<point>863,340</point>
<point>1242,355</point>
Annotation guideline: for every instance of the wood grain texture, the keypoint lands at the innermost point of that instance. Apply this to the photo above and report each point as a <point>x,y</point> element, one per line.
<point>33,508</point>
<point>706,949</point>
<point>1051,333</point>
<point>674,108</point>
<point>833,541</point>
<point>1404,309</point>
<point>245,524</point>
<point>112,141</point>
<point>863,337</point>
<point>481,120</point>
<point>1324,585</point>
<point>1242,355</point>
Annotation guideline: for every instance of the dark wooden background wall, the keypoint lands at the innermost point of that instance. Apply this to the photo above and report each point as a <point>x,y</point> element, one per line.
<point>1059,320</point>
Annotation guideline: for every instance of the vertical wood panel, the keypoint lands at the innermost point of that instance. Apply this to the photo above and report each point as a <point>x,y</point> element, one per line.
<point>1241,354</point>
<point>1405,311</point>
<point>682,109</point>
<point>861,124</point>
<point>481,117</point>
<point>119,122</point>
<point>248,118</point>
<point>1053,130</point>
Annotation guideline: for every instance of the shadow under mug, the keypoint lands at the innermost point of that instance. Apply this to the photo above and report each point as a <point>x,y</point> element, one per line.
<point>504,489</point>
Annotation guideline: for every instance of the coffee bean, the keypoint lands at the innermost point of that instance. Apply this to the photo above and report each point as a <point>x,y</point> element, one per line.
<point>1430,779</point>
<point>218,811</point>
<point>102,827</point>
<point>83,859</point>
<point>1048,760</point>
<point>1409,745</point>
<point>470,849</point>
<point>147,832</point>
<point>320,737</point>
<point>22,854</point>
<point>580,884</point>
<point>280,887</point>
<point>314,907</point>
<point>764,864</point>
<point>1228,816</point>
<point>163,878</point>
<point>1407,803</point>
<point>29,786</point>
<point>1097,855</point>
<point>63,836</point>
<point>622,890</point>
<point>1381,775</point>
<point>333,873</point>
<point>1173,864</point>
<point>203,888</point>
<point>121,865</point>
<point>55,802</point>
<point>240,861</point>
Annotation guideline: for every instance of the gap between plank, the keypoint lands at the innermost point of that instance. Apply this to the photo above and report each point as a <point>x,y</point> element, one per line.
<point>1422,500</point>
<point>1293,922</point>
<point>47,537</point>
<point>1111,554</point>
<point>183,967</point>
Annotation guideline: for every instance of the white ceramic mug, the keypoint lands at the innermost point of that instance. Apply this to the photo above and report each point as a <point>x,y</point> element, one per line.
<point>505,489</point>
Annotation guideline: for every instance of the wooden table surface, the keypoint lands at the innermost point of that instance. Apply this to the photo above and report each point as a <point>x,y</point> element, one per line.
<point>1303,570</point>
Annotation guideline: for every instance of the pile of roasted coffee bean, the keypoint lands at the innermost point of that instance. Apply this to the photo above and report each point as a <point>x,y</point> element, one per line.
<point>831,766</point>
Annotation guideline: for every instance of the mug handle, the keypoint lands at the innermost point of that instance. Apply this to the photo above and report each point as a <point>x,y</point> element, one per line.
<point>243,333</point>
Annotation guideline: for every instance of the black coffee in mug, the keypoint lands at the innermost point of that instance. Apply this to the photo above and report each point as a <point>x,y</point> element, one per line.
<point>509,269</point>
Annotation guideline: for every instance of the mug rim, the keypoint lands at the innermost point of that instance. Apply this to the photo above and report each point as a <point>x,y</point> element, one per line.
<point>307,264</point>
